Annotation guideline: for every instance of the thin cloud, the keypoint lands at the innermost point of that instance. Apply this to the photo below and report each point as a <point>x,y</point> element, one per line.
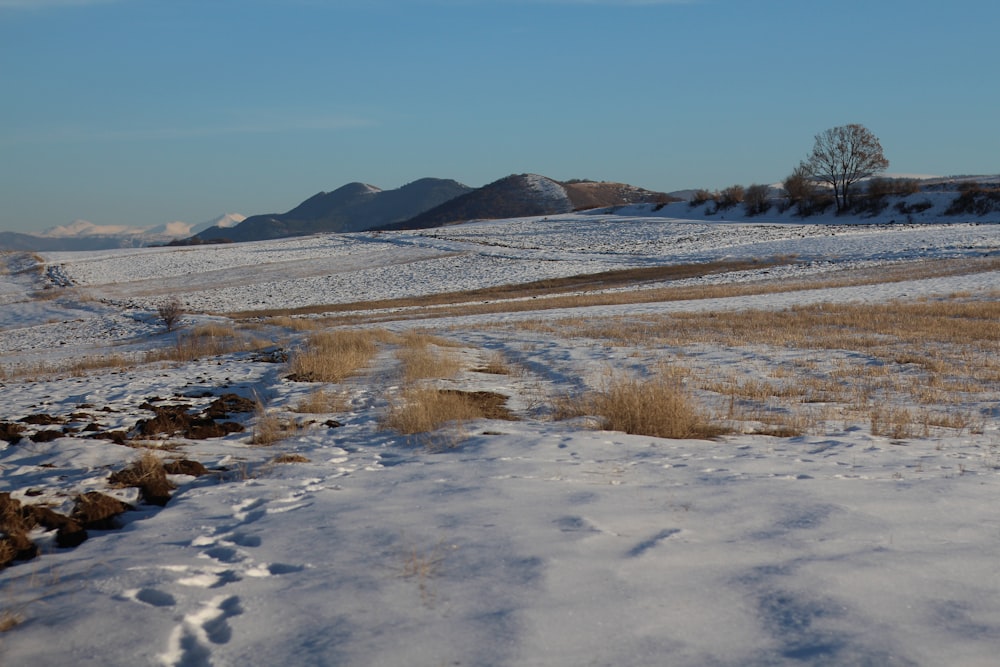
<point>42,4</point>
<point>249,127</point>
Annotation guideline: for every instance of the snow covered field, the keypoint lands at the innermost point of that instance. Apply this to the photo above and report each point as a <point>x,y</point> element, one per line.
<point>495,542</point>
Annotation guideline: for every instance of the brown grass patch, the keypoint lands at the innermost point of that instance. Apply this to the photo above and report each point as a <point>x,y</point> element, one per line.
<point>658,406</point>
<point>269,428</point>
<point>426,409</point>
<point>293,323</point>
<point>496,365</point>
<point>427,361</point>
<point>323,401</point>
<point>290,458</point>
<point>207,341</point>
<point>10,619</point>
<point>333,356</point>
<point>931,354</point>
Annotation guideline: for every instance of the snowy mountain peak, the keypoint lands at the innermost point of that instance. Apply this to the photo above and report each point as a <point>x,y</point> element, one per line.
<point>80,228</point>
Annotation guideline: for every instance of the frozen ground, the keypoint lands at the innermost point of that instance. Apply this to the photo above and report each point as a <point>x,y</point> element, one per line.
<point>531,542</point>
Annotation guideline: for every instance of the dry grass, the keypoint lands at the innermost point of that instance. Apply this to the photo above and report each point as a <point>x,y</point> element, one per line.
<point>658,406</point>
<point>421,356</point>
<point>10,619</point>
<point>323,401</point>
<point>293,323</point>
<point>211,340</point>
<point>147,467</point>
<point>933,355</point>
<point>426,409</point>
<point>423,566</point>
<point>333,356</point>
<point>290,458</point>
<point>269,427</point>
<point>497,364</point>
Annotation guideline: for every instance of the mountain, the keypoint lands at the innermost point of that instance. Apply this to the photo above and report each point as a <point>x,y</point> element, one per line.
<point>522,195</point>
<point>351,208</point>
<point>85,235</point>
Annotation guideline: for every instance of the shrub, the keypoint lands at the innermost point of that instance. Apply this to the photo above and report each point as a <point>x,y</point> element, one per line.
<point>757,199</point>
<point>731,196</point>
<point>974,199</point>
<point>799,187</point>
<point>702,197</point>
<point>170,313</point>
<point>916,207</point>
<point>873,201</point>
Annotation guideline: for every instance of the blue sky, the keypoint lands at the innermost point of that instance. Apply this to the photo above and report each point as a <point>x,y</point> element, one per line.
<point>141,112</point>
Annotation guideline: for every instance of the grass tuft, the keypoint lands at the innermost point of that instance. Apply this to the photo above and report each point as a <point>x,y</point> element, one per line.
<point>333,356</point>
<point>427,409</point>
<point>658,406</point>
<point>269,428</point>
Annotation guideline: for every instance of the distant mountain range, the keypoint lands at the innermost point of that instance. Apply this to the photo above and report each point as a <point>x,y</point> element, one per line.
<point>523,195</point>
<point>85,235</point>
<point>351,208</point>
<point>431,202</point>
<point>428,202</point>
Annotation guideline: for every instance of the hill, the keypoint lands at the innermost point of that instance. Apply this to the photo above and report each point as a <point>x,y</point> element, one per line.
<point>351,208</point>
<point>523,195</point>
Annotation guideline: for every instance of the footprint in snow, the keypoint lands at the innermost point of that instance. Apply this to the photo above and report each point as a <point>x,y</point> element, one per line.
<point>191,642</point>
<point>649,543</point>
<point>152,597</point>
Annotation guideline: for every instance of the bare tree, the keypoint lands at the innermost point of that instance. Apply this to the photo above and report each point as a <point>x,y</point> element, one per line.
<point>170,313</point>
<point>843,156</point>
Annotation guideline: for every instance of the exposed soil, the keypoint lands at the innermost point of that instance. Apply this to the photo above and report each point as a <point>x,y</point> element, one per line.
<point>69,532</point>
<point>47,435</point>
<point>42,420</point>
<point>175,420</point>
<point>11,433</point>
<point>185,467</point>
<point>223,406</point>
<point>490,404</point>
<point>149,476</point>
<point>14,542</point>
<point>96,511</point>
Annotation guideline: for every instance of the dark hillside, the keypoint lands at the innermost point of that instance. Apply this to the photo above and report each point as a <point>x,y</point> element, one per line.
<point>350,208</point>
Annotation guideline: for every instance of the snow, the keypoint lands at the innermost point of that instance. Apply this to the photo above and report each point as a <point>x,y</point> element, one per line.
<point>548,190</point>
<point>80,229</point>
<point>533,542</point>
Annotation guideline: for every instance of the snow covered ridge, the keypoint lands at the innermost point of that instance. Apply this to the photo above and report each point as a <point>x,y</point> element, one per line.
<point>496,542</point>
<point>548,190</point>
<point>85,235</point>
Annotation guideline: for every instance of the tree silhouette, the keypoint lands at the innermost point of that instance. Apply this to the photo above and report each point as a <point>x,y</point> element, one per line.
<point>843,156</point>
